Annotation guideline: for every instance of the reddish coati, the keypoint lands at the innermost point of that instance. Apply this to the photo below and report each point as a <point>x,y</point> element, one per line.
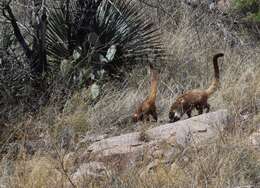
<point>148,107</point>
<point>196,98</point>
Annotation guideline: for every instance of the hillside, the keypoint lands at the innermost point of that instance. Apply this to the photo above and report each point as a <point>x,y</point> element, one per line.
<point>67,98</point>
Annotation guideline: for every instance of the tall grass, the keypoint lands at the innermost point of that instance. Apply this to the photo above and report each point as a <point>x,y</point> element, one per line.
<point>191,41</point>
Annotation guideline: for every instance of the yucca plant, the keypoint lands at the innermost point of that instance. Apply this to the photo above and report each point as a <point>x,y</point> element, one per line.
<point>100,36</point>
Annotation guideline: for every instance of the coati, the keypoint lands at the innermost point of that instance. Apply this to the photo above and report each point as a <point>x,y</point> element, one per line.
<point>148,107</point>
<point>196,98</point>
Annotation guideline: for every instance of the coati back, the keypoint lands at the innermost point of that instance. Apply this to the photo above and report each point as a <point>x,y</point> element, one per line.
<point>196,98</point>
<point>148,107</point>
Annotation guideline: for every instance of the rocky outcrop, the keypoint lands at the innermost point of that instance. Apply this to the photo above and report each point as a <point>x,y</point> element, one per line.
<point>195,129</point>
<point>92,169</point>
<point>123,152</point>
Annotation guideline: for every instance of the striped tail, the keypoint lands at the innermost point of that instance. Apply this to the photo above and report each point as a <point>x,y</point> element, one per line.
<point>215,83</point>
<point>154,84</point>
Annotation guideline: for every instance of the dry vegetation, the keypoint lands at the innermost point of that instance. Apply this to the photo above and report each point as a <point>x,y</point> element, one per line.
<point>191,38</point>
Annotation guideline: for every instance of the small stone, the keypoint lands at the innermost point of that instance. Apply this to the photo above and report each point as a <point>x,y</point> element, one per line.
<point>92,169</point>
<point>8,167</point>
<point>89,138</point>
<point>172,140</point>
<point>169,155</point>
<point>66,138</point>
<point>158,154</point>
<point>13,150</point>
<point>254,138</point>
<point>33,146</point>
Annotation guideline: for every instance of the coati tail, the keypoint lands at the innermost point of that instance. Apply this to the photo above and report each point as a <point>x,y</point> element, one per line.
<point>154,83</point>
<point>215,83</point>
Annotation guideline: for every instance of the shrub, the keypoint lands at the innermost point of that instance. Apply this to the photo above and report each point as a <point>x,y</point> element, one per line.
<point>250,9</point>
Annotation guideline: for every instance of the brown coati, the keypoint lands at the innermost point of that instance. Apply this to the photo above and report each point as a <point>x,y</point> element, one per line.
<point>196,98</point>
<point>148,107</point>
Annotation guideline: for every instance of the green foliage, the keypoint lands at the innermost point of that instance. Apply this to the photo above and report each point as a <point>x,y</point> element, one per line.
<point>93,28</point>
<point>86,41</point>
<point>249,8</point>
<point>245,3</point>
<point>255,16</point>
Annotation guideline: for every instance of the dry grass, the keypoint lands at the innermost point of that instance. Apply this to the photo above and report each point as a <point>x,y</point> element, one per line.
<point>227,162</point>
<point>216,164</point>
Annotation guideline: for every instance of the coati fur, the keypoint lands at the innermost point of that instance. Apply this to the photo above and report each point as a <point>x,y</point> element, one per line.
<point>196,98</point>
<point>148,107</point>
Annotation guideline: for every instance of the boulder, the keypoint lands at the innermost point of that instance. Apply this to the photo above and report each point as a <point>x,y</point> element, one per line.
<point>124,151</point>
<point>92,169</point>
<point>195,129</point>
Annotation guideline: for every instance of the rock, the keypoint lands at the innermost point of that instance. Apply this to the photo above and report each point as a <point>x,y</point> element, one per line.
<point>7,166</point>
<point>195,129</point>
<point>199,128</point>
<point>223,5</point>
<point>123,151</point>
<point>33,146</point>
<point>67,138</point>
<point>254,138</point>
<point>92,169</point>
<point>169,155</point>
<point>90,138</point>
<point>131,139</point>
<point>13,150</point>
<point>158,154</point>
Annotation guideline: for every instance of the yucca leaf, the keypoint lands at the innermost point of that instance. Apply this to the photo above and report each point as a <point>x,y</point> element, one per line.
<point>118,22</point>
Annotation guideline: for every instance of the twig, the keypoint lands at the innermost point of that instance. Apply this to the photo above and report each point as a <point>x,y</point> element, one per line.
<point>148,4</point>
<point>64,171</point>
<point>17,30</point>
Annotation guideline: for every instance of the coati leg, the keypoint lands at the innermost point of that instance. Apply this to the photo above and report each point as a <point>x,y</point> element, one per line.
<point>141,117</point>
<point>197,97</point>
<point>189,113</point>
<point>146,117</point>
<point>207,107</point>
<point>154,115</point>
<point>199,108</point>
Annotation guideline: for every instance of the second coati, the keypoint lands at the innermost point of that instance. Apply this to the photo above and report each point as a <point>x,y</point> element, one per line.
<point>196,98</point>
<point>148,107</point>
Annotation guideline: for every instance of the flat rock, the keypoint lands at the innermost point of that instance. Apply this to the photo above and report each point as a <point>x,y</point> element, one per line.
<point>197,129</point>
<point>91,169</point>
<point>126,150</point>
